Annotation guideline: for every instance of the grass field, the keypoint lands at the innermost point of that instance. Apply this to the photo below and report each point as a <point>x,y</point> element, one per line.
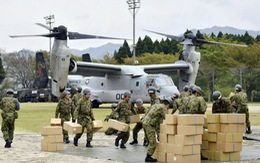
<point>33,116</point>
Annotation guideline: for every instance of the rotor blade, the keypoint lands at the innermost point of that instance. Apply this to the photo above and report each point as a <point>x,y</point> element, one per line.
<point>76,35</point>
<point>166,35</point>
<point>221,43</point>
<point>41,35</point>
<point>44,26</point>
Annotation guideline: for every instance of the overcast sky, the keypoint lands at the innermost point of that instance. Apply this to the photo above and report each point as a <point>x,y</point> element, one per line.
<point>112,18</point>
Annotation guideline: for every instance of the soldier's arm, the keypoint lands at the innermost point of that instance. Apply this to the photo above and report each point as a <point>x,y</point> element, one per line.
<point>175,107</point>
<point>17,106</point>
<point>91,113</point>
<point>76,112</point>
<point>57,110</point>
<point>230,109</point>
<point>213,108</point>
<point>203,105</point>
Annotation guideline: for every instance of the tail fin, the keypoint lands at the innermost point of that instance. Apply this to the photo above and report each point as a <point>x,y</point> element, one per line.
<point>41,79</point>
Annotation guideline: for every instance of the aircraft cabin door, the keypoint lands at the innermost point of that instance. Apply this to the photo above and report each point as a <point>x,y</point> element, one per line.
<point>136,88</point>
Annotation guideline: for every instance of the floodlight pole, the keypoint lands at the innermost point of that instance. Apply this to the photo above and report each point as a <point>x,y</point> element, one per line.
<point>134,5</point>
<point>49,21</point>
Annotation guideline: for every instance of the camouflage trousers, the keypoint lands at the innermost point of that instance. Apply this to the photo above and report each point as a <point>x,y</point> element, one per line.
<point>136,130</point>
<point>150,132</point>
<point>244,109</point>
<point>85,123</point>
<point>64,132</point>
<point>8,128</point>
<point>124,136</point>
<point>110,131</point>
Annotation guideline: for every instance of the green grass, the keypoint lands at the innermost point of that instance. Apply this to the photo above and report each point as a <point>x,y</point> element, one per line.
<point>33,116</point>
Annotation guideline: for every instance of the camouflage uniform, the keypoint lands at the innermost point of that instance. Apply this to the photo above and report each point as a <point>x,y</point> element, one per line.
<point>183,105</point>
<point>196,105</point>
<point>75,98</point>
<point>9,106</point>
<point>177,106</point>
<point>124,111</point>
<point>138,125</point>
<point>153,118</point>
<point>239,102</point>
<point>184,94</point>
<point>84,115</point>
<point>63,111</point>
<point>155,100</point>
<point>111,131</point>
<point>223,106</point>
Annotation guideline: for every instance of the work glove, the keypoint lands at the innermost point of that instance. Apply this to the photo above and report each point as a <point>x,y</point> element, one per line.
<point>73,120</point>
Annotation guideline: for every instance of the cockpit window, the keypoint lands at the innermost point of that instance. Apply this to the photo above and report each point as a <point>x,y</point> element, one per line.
<point>163,81</point>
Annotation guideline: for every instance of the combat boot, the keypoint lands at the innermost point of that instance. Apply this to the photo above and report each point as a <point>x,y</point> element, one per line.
<point>122,145</point>
<point>248,130</point>
<point>150,159</point>
<point>203,157</point>
<point>134,142</point>
<point>145,143</point>
<point>75,141</point>
<point>88,145</point>
<point>8,144</point>
<point>66,141</point>
<point>116,142</point>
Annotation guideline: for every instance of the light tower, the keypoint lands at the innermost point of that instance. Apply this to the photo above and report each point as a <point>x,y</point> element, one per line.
<point>49,21</point>
<point>133,6</point>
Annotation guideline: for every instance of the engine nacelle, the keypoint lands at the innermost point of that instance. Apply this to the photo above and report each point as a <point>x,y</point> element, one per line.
<point>73,65</point>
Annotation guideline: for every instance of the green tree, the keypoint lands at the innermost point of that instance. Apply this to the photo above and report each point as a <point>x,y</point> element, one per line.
<point>139,47</point>
<point>123,52</point>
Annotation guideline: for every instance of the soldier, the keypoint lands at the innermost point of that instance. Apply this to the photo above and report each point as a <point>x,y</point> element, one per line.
<point>153,118</point>
<point>113,115</point>
<point>140,109</point>
<point>124,111</point>
<point>176,103</point>
<point>84,115</point>
<point>154,98</point>
<point>185,91</point>
<point>74,99</point>
<point>221,104</point>
<point>9,105</point>
<point>63,111</point>
<point>239,102</point>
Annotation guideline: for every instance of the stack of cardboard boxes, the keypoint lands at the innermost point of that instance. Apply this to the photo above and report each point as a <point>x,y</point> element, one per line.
<point>180,139</point>
<point>222,141</point>
<point>52,137</point>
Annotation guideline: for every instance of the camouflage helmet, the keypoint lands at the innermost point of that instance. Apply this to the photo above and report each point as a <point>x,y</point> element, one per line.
<point>114,105</point>
<point>168,101</point>
<point>175,95</point>
<point>151,90</point>
<point>185,88</point>
<point>79,89</point>
<point>74,89</point>
<point>86,91</point>
<point>139,102</point>
<point>197,89</point>
<point>191,87</point>
<point>127,94</point>
<point>9,91</point>
<point>64,93</point>
<point>216,95</point>
<point>238,87</point>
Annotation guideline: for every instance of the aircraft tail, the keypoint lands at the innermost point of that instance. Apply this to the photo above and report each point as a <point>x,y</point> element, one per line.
<point>41,79</point>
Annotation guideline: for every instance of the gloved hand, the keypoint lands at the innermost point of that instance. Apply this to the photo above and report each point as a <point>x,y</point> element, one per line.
<point>106,119</point>
<point>73,120</point>
<point>93,119</point>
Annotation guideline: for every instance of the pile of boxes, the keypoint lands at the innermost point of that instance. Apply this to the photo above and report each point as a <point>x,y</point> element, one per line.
<point>52,137</point>
<point>180,139</point>
<point>222,140</point>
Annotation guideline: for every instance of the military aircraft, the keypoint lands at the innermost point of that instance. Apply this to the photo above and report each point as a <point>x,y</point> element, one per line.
<point>109,82</point>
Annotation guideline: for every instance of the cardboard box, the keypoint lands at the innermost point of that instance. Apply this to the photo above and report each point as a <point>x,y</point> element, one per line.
<point>163,138</point>
<point>210,154</point>
<point>226,156</point>
<point>55,122</point>
<point>51,130</point>
<point>172,158</point>
<point>51,147</point>
<point>188,139</point>
<point>205,144</point>
<point>229,147</point>
<point>120,126</point>
<point>163,128</point>
<point>232,118</point>
<point>170,139</point>
<point>213,127</point>
<point>189,130</point>
<point>162,147</point>
<point>212,146</point>
<point>213,118</point>
<point>233,128</point>
<point>72,128</point>
<point>171,129</point>
<point>190,119</point>
<point>53,139</point>
<point>230,137</point>
<point>155,154</point>
<point>212,137</point>
<point>205,135</point>
<point>161,156</point>
<point>97,125</point>
<point>171,119</point>
<point>183,149</point>
<point>135,118</point>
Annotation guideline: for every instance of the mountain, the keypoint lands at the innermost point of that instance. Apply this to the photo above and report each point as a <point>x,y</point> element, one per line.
<point>98,52</point>
<point>226,29</point>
